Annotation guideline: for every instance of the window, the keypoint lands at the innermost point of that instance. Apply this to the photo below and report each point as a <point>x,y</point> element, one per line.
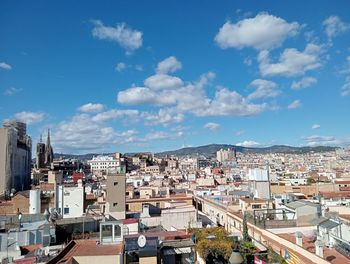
<point>106,231</point>
<point>115,183</point>
<point>117,231</point>
<point>115,204</point>
<point>66,210</point>
<point>256,206</point>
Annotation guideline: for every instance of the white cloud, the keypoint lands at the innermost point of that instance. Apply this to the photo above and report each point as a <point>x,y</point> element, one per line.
<point>157,135</point>
<point>264,89</point>
<point>139,67</point>
<point>169,65</point>
<point>91,108</point>
<point>30,117</point>
<point>316,126</point>
<point>114,114</point>
<point>239,133</point>
<point>304,83</point>
<point>261,32</point>
<point>164,117</point>
<point>187,97</point>
<point>228,102</point>
<point>248,144</point>
<point>163,81</point>
<point>5,66</point>
<point>12,91</point>
<point>291,62</point>
<point>316,140</point>
<point>295,104</point>
<point>82,134</point>
<point>248,61</point>
<point>139,96</point>
<point>345,90</point>
<point>212,126</point>
<point>120,67</point>
<point>125,36</point>
<point>333,26</point>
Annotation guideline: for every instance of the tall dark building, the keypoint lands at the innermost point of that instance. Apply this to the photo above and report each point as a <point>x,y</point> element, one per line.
<point>15,157</point>
<point>48,150</point>
<point>40,154</point>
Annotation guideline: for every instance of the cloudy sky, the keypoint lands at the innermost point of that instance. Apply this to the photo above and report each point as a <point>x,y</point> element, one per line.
<point>159,75</point>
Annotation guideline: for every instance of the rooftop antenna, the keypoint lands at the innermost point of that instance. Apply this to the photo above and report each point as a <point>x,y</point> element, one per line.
<point>41,138</point>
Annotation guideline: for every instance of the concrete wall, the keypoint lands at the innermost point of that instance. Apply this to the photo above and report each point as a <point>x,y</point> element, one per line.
<point>306,215</point>
<point>71,198</point>
<point>178,219</point>
<point>15,161</point>
<point>260,189</point>
<point>19,203</point>
<point>150,221</point>
<point>148,260</point>
<point>135,205</point>
<point>116,195</point>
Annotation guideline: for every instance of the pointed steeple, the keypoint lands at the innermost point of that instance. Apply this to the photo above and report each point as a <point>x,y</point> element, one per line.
<point>48,150</point>
<point>48,138</point>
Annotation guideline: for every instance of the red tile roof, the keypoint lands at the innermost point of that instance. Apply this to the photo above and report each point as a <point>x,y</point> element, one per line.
<point>329,254</point>
<point>86,248</point>
<point>129,221</point>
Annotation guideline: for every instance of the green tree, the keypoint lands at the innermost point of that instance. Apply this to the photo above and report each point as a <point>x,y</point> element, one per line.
<point>219,248</point>
<point>245,228</point>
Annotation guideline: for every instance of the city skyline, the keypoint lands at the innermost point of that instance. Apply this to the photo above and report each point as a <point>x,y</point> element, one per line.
<point>106,77</point>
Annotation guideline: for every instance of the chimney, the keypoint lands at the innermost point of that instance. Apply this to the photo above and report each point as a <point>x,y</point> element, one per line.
<point>299,238</point>
<point>80,183</point>
<point>145,211</point>
<point>319,248</point>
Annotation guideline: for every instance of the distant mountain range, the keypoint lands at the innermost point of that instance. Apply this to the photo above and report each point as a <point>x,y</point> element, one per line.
<point>210,150</point>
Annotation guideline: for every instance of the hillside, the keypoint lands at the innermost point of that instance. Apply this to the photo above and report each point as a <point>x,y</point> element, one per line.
<point>210,150</point>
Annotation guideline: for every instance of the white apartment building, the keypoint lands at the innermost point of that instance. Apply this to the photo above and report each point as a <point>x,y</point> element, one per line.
<point>188,164</point>
<point>70,201</point>
<point>224,155</point>
<point>103,163</point>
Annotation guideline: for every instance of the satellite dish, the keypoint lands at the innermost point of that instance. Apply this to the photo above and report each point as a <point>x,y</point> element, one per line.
<point>141,241</point>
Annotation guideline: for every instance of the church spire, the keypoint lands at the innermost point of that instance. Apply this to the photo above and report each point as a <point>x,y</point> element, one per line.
<point>48,138</point>
<point>48,150</point>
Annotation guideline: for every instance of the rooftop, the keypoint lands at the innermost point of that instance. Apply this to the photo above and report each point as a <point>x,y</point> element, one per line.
<point>86,248</point>
<point>331,255</point>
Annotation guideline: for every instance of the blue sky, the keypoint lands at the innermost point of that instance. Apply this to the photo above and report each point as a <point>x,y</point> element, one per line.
<point>158,75</point>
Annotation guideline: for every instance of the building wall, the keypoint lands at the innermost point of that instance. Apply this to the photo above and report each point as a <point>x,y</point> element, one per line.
<point>40,155</point>
<point>135,205</point>
<point>19,203</point>
<point>116,195</point>
<point>15,160</point>
<point>146,193</point>
<point>178,219</point>
<point>306,215</point>
<point>55,177</point>
<point>70,201</point>
<point>260,189</point>
<point>148,260</point>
